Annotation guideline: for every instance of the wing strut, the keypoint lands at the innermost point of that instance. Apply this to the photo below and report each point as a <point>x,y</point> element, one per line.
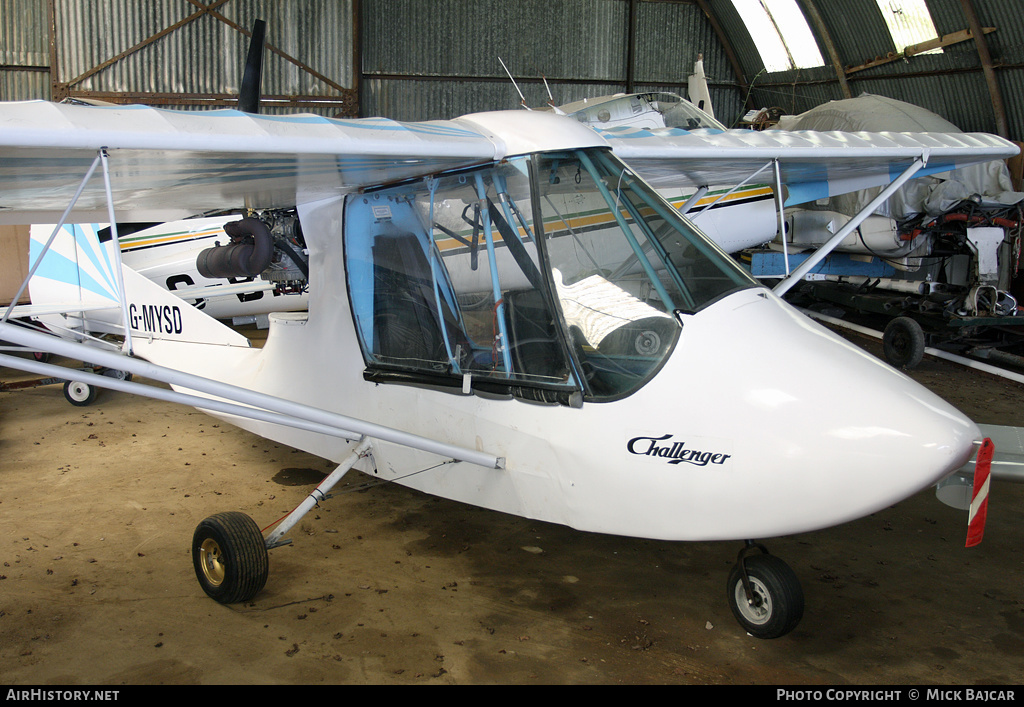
<point>124,386</point>
<point>116,248</point>
<point>250,403</point>
<point>691,202</point>
<point>56,230</point>
<point>734,188</point>
<point>780,212</point>
<point>819,255</point>
<point>100,159</point>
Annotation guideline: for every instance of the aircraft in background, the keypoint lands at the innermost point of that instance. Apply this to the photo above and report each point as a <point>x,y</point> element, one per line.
<point>735,216</point>
<point>265,272</point>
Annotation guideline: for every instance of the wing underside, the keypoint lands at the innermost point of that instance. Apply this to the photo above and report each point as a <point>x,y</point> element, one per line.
<point>171,164</point>
<point>812,165</point>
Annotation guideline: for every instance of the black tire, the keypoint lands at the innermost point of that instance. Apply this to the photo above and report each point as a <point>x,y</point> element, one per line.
<point>778,597</point>
<point>79,394</point>
<point>230,557</point>
<point>903,343</point>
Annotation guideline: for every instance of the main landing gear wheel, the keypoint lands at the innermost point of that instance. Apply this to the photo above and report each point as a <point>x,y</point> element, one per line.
<point>230,557</point>
<point>903,342</point>
<point>79,394</point>
<point>775,604</point>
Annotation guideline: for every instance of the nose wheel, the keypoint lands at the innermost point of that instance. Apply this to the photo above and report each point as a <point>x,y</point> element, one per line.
<point>764,594</point>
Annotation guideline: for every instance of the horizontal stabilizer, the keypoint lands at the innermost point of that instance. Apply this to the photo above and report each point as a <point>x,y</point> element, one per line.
<point>1005,463</point>
<point>1008,456</point>
<point>26,311</point>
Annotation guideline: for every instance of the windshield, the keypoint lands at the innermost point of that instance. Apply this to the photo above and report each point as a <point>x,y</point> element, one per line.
<point>540,277</point>
<point>623,262</point>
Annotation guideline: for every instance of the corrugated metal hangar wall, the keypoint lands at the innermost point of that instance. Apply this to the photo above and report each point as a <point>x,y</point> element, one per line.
<point>425,59</point>
<point>178,53</point>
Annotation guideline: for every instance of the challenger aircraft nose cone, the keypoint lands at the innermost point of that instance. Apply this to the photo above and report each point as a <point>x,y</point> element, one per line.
<point>821,432</point>
<point>872,423</point>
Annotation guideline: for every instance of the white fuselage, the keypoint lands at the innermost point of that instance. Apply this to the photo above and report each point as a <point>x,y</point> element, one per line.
<point>792,428</point>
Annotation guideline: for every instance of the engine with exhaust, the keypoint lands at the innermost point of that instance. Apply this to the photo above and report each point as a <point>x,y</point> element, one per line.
<point>269,246</point>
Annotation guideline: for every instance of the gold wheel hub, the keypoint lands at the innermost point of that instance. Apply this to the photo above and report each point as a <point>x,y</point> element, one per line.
<point>211,561</point>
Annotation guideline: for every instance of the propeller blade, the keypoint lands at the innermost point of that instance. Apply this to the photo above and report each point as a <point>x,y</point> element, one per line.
<point>249,94</point>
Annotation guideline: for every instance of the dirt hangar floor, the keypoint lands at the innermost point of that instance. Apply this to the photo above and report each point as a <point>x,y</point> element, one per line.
<point>385,585</point>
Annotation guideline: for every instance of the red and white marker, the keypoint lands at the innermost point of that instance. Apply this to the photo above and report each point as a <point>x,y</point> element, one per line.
<point>979,501</point>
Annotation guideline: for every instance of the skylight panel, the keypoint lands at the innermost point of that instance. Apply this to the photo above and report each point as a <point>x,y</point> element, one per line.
<point>909,23</point>
<point>781,34</point>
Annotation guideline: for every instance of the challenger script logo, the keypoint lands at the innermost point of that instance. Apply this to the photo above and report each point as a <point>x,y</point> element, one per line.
<point>673,452</point>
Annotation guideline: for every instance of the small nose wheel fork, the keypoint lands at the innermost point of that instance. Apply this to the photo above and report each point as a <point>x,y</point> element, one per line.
<point>764,593</point>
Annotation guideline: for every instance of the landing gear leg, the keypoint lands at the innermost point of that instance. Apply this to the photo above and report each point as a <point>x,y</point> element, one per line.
<point>764,593</point>
<point>229,552</point>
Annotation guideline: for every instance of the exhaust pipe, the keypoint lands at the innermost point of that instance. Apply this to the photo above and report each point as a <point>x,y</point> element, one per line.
<point>248,254</point>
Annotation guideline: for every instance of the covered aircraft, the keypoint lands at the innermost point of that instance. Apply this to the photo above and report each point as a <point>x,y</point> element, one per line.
<point>501,313</point>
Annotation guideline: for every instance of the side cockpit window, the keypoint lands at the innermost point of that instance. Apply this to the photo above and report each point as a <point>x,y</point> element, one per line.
<point>411,327</point>
<point>446,286</point>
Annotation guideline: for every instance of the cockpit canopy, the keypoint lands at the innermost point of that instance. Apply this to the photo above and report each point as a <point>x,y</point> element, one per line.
<point>554,276</point>
<point>641,110</point>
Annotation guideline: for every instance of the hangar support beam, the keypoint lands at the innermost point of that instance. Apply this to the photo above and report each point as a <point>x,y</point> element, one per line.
<point>998,107</point>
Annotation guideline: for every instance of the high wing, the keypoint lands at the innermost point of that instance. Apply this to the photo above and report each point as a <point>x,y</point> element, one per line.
<point>166,165</point>
<point>812,165</point>
<point>174,164</point>
<point>206,157</point>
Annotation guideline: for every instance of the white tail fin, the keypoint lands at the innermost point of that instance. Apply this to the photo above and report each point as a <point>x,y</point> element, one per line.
<point>77,277</point>
<point>697,87</point>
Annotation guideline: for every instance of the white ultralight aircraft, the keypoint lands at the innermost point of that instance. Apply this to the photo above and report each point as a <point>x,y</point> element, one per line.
<point>501,313</point>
